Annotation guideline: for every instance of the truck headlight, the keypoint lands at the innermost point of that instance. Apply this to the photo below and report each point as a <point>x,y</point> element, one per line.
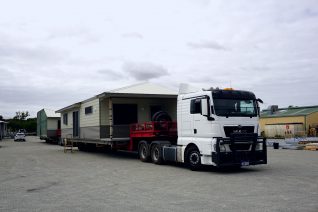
<point>259,147</point>
<point>222,148</point>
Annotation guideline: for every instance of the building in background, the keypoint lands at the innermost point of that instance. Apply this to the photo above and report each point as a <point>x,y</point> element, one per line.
<point>3,129</point>
<point>48,125</point>
<point>289,122</point>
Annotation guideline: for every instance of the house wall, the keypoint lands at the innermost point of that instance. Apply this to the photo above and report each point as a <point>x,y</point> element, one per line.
<point>52,123</point>
<point>67,130</point>
<point>92,119</point>
<point>90,123</point>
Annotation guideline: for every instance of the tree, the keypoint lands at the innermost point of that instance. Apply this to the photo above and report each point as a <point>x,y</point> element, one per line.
<point>1,118</point>
<point>20,121</point>
<point>21,115</point>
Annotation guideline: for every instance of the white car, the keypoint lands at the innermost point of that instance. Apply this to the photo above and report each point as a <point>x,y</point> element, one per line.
<point>19,137</point>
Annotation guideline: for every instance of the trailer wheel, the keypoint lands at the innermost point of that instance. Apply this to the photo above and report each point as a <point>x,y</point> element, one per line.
<point>193,159</point>
<point>156,154</point>
<point>144,152</point>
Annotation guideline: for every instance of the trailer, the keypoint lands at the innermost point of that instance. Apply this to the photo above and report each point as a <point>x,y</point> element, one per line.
<point>217,127</point>
<point>48,125</point>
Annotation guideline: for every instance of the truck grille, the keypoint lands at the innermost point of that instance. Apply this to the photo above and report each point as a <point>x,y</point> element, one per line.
<point>236,129</point>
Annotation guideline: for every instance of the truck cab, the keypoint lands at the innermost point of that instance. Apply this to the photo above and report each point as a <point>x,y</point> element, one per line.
<point>220,128</point>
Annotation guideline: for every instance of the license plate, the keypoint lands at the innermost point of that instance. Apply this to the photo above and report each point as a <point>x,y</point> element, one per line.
<point>245,163</point>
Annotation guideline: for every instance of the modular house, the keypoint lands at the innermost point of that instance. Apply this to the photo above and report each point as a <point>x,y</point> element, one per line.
<point>106,117</point>
<point>3,129</point>
<point>48,125</point>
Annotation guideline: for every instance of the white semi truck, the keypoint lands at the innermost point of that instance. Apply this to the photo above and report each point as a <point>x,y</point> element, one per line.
<point>218,127</point>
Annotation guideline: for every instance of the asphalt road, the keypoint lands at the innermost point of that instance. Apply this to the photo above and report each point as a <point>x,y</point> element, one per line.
<point>35,176</point>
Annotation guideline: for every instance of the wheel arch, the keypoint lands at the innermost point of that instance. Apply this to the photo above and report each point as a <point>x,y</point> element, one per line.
<point>190,145</point>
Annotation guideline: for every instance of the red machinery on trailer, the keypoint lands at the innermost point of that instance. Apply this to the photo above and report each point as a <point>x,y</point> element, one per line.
<point>150,135</point>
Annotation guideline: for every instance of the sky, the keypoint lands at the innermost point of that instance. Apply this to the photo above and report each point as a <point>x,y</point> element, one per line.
<point>56,53</point>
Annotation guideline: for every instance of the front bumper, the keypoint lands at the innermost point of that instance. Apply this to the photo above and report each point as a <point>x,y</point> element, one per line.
<point>238,157</point>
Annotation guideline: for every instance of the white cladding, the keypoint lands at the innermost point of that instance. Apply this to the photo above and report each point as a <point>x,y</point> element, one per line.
<point>69,120</point>
<point>52,124</point>
<point>91,119</point>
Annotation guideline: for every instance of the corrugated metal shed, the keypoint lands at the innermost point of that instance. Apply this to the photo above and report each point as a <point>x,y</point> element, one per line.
<point>291,111</point>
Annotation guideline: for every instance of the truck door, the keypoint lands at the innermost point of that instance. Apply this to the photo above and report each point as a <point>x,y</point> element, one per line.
<point>202,127</point>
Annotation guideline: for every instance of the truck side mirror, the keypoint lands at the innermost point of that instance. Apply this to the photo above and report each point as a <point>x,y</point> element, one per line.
<point>204,107</point>
<point>259,100</point>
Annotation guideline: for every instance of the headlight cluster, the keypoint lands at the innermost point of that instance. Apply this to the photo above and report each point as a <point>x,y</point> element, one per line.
<point>259,147</point>
<point>222,148</point>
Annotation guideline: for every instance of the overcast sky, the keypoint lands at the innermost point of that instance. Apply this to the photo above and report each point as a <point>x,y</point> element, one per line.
<point>55,53</point>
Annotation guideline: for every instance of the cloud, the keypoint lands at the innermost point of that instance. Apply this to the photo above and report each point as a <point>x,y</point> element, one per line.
<point>207,45</point>
<point>111,74</point>
<point>21,54</point>
<point>133,35</point>
<point>82,34</point>
<point>144,71</point>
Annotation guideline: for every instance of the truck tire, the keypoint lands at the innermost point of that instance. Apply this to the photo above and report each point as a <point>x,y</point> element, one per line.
<point>156,154</point>
<point>144,152</point>
<point>193,158</point>
<point>161,116</point>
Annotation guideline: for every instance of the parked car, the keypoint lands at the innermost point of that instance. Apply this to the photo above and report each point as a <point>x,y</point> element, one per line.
<point>19,137</point>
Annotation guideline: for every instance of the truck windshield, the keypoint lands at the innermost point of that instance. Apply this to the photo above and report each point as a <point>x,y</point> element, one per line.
<point>235,107</point>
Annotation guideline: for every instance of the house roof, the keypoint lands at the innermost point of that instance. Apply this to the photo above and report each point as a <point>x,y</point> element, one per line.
<point>51,113</point>
<point>141,90</point>
<point>144,88</point>
<point>291,111</point>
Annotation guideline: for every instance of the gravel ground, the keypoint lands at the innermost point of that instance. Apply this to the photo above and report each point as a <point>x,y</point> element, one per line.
<point>36,176</point>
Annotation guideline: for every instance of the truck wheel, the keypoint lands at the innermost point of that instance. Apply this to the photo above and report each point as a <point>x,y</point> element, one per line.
<point>193,158</point>
<point>144,152</point>
<point>156,154</point>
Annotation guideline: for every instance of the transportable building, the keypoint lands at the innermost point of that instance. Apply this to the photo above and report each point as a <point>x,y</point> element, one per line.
<point>106,117</point>
<point>3,129</point>
<point>48,125</point>
<point>289,122</point>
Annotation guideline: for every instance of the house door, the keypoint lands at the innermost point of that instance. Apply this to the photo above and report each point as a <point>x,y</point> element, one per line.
<point>75,124</point>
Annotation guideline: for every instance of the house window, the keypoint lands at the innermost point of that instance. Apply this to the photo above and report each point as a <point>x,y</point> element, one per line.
<point>195,106</point>
<point>88,110</point>
<point>65,118</point>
